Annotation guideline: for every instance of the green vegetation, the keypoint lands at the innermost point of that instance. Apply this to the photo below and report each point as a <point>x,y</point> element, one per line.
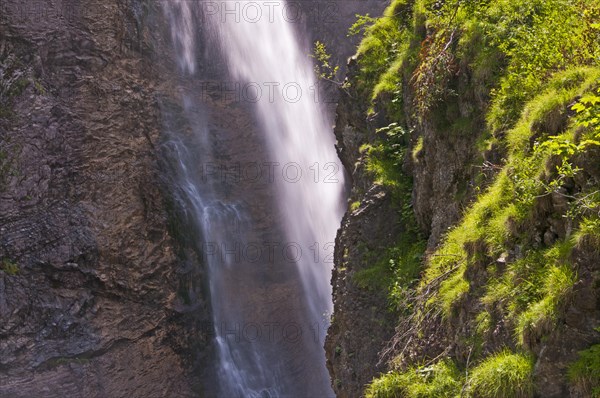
<point>519,76</point>
<point>417,149</point>
<point>400,266</point>
<point>585,372</point>
<point>324,69</point>
<point>503,375</point>
<point>540,316</point>
<point>9,267</point>
<point>440,380</point>
<point>497,220</point>
<point>5,165</point>
<point>60,361</point>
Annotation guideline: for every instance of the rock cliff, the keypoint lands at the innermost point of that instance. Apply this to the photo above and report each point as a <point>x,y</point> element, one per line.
<point>89,301</point>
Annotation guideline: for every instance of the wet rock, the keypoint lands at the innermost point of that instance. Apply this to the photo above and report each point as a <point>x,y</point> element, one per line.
<point>89,312</point>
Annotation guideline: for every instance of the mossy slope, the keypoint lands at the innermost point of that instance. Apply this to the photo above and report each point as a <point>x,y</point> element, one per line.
<point>497,289</point>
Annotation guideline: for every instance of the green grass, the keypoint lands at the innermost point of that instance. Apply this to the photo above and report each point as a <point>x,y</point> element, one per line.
<point>584,374</point>
<point>536,38</point>
<point>442,380</point>
<point>542,316</point>
<point>503,375</point>
<point>532,292</point>
<point>496,221</point>
<point>451,292</point>
<point>547,112</point>
<point>354,205</point>
<point>516,68</point>
<point>378,52</point>
<point>589,227</point>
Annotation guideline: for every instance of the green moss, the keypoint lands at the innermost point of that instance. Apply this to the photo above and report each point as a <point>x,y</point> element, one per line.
<point>395,270</point>
<point>18,87</point>
<point>584,374</point>
<point>401,264</point>
<point>376,276</point>
<point>354,205</point>
<point>417,149</point>
<point>58,361</point>
<point>503,375</point>
<point>9,267</point>
<point>39,88</point>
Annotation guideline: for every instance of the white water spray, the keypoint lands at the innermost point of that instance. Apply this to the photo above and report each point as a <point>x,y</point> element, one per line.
<point>262,50</point>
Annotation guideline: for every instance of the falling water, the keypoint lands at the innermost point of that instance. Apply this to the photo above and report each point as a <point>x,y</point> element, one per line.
<point>262,52</point>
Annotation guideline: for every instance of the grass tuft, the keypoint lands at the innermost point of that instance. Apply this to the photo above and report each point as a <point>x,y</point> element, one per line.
<point>441,380</point>
<point>584,374</point>
<point>503,375</point>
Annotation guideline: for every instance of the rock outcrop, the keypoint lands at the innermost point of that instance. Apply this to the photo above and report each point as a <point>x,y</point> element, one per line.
<point>92,305</point>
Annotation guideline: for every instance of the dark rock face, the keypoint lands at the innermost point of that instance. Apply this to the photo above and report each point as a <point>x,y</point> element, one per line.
<point>93,308</point>
<point>445,169</point>
<point>354,357</point>
<point>361,325</point>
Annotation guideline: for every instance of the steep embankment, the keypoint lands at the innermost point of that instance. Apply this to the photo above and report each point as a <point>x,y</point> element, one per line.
<point>89,274</point>
<point>468,261</point>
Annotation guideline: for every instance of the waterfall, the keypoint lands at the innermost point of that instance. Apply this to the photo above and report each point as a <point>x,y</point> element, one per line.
<point>263,52</point>
<point>268,329</point>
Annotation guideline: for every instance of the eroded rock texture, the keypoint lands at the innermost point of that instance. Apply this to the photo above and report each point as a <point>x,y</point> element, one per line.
<point>92,307</point>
